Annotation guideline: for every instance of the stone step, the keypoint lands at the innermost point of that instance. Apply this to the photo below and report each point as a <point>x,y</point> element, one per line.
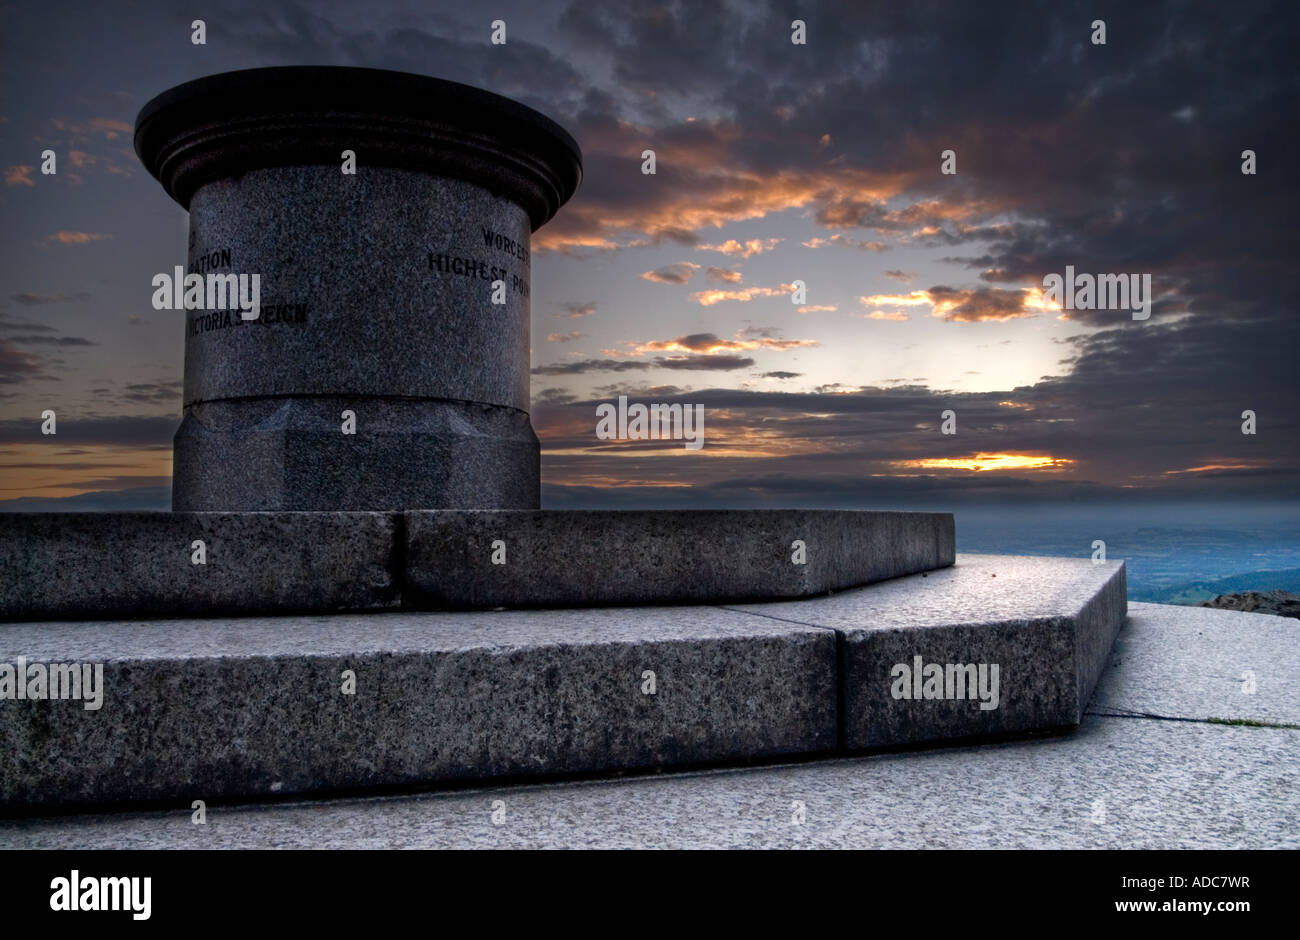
<point>1032,635</point>
<point>600,557</point>
<point>208,709</point>
<point>243,707</point>
<point>143,564</point>
<point>1119,782</point>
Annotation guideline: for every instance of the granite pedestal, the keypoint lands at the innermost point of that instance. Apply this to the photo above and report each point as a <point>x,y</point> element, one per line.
<point>395,297</point>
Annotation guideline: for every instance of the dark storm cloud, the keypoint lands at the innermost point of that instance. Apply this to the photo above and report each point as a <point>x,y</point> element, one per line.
<point>1108,428</point>
<point>18,366</point>
<point>152,392</point>
<point>679,273</point>
<point>6,324</point>
<point>29,299</point>
<point>704,363</point>
<point>127,431</point>
<point>590,365</point>
<point>554,396</point>
<point>42,340</point>
<point>1123,158</point>
<point>419,39</point>
<point>700,363</point>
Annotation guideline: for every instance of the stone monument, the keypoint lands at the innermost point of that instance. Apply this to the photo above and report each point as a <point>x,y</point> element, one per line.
<point>359,446</point>
<point>388,216</point>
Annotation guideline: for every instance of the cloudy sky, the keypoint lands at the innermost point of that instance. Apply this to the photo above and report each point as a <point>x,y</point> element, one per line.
<point>776,162</point>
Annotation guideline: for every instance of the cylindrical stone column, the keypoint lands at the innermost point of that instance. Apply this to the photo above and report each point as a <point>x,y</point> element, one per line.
<point>376,287</point>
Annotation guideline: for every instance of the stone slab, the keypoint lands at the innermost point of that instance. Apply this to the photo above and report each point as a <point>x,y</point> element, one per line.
<point>106,565</point>
<point>220,708</point>
<point>123,564</point>
<point>1047,624</point>
<point>571,558</point>
<point>1117,783</point>
<point>287,454</point>
<point>1197,662</point>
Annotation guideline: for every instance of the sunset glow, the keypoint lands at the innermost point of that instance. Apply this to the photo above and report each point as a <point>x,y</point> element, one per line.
<point>984,462</point>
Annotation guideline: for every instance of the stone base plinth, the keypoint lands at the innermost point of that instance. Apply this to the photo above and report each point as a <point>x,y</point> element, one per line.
<point>144,564</point>
<point>219,708</point>
<point>262,455</point>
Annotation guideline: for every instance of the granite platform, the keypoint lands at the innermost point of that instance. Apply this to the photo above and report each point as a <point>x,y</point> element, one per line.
<point>144,564</point>
<point>1171,780</point>
<point>225,708</point>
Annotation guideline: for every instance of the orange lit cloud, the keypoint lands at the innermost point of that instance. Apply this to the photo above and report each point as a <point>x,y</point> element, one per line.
<point>985,462</point>
<point>754,246</point>
<point>76,238</point>
<point>707,298</point>
<point>1215,466</point>
<point>35,470</point>
<point>968,305</point>
<point>840,239</point>
<point>679,273</point>
<point>711,343</point>
<point>20,175</point>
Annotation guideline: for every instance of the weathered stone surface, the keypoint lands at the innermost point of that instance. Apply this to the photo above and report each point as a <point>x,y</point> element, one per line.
<point>63,565</point>
<point>1196,662</point>
<point>216,708</point>
<point>1117,783</point>
<point>573,558</point>
<point>377,287</point>
<point>437,454</point>
<point>1046,623</point>
<point>435,374</point>
<point>87,564</point>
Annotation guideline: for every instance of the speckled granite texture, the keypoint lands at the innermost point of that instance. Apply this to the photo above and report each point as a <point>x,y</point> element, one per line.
<point>205,709</point>
<point>1194,662</point>
<point>1119,782</point>
<point>290,455</point>
<point>388,285</point>
<point>242,707</point>
<point>117,564</point>
<point>377,287</point>
<point>689,556</point>
<point>1047,623</point>
<point>138,564</point>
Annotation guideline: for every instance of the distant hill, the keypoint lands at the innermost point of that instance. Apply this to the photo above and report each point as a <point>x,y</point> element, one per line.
<point>1195,592</point>
<point>1283,603</point>
<point>133,499</point>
